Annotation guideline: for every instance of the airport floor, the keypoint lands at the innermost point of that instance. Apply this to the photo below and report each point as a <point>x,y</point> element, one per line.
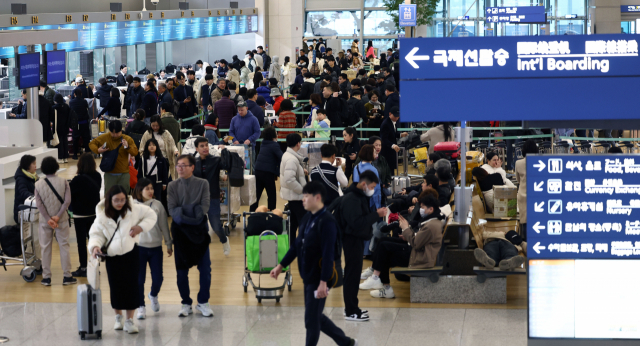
<point>33,314</point>
<point>268,325</point>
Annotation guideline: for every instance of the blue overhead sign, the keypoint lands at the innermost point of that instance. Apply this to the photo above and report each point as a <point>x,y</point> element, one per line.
<point>583,206</point>
<point>630,8</point>
<point>408,14</point>
<point>511,75</point>
<point>528,14</point>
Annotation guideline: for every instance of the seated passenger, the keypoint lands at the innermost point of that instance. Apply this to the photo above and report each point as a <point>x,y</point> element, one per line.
<point>417,250</point>
<point>444,186</point>
<point>497,249</point>
<point>431,161</point>
<point>487,182</point>
<point>444,163</point>
<point>494,165</point>
<point>410,196</point>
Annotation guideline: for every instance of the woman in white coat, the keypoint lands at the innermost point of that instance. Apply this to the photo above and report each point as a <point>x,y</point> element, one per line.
<point>289,72</point>
<point>494,165</point>
<point>114,236</point>
<point>293,179</point>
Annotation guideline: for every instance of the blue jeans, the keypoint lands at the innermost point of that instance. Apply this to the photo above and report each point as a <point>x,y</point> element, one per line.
<point>204,267</point>
<point>153,256</point>
<point>499,250</point>
<point>315,321</point>
<point>214,219</point>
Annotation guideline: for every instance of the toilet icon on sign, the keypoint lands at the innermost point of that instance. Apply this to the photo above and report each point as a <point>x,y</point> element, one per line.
<point>554,227</point>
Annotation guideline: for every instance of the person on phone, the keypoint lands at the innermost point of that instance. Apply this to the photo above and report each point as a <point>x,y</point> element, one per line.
<point>315,250</point>
<point>150,246</point>
<point>332,177</point>
<point>350,149</point>
<point>54,219</point>
<point>114,237</point>
<point>115,140</point>
<point>416,250</point>
<point>374,109</point>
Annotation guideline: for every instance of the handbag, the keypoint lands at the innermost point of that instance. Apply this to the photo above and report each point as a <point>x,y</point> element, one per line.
<point>109,159</point>
<point>104,249</point>
<point>55,141</point>
<point>93,273</point>
<point>46,180</point>
<point>30,214</point>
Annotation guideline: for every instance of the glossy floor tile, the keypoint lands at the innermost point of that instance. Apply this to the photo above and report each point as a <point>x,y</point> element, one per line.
<point>56,323</point>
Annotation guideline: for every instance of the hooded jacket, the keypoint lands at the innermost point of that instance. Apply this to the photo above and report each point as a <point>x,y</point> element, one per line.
<point>103,94</point>
<point>307,88</point>
<point>104,227</point>
<point>257,111</point>
<point>265,92</point>
<point>274,68</point>
<point>172,125</point>
<point>292,174</point>
<point>245,127</point>
<point>425,244</point>
<point>357,218</point>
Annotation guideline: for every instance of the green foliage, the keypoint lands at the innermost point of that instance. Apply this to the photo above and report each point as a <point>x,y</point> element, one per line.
<point>426,10</point>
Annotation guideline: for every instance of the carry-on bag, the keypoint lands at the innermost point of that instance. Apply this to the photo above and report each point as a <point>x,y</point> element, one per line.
<point>451,150</point>
<point>89,311</point>
<point>400,182</point>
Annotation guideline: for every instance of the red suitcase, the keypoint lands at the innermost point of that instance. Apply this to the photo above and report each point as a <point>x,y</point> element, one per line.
<point>451,150</point>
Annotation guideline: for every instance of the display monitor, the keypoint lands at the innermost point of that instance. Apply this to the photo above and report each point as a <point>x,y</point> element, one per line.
<point>29,75</point>
<point>55,66</point>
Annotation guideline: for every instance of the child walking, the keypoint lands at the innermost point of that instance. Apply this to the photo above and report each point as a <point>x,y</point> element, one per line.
<point>151,246</point>
<point>155,167</point>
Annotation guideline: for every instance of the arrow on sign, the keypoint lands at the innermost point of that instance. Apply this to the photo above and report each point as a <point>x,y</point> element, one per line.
<point>538,207</point>
<point>538,187</point>
<point>537,247</point>
<point>540,166</point>
<point>537,227</point>
<point>412,57</point>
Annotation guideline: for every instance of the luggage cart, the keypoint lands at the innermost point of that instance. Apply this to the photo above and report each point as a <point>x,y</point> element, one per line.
<point>232,218</point>
<point>32,265</point>
<point>268,259</point>
<point>601,147</point>
<point>562,147</point>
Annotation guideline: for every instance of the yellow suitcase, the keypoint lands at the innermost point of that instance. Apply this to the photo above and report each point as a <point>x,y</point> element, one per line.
<point>474,159</point>
<point>421,154</point>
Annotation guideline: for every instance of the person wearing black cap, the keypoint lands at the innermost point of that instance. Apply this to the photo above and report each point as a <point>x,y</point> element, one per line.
<point>120,80</point>
<point>300,77</point>
<point>390,136</point>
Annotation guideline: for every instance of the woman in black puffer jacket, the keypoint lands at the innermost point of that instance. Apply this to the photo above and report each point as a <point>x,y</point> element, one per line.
<point>61,125</point>
<point>25,178</point>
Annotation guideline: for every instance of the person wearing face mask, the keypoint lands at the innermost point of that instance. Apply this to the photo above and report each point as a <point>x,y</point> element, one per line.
<point>416,250</point>
<point>356,218</point>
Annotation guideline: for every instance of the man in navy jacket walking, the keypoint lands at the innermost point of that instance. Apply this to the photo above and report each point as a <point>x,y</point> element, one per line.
<point>315,249</point>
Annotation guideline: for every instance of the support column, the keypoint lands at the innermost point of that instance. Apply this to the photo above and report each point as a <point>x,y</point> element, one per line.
<point>33,111</point>
<point>605,16</point>
<point>285,20</point>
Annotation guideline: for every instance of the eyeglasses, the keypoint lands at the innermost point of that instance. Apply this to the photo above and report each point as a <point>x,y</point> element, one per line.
<point>182,166</point>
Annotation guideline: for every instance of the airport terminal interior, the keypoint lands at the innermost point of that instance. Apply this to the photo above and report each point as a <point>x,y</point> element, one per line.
<point>493,210</point>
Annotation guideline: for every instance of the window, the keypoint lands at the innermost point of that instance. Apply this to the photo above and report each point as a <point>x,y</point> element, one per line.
<point>332,23</point>
<point>566,7</point>
<point>379,23</point>
<point>374,3</point>
<point>460,7</point>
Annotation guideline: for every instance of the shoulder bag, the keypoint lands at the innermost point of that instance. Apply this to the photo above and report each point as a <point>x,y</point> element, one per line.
<point>104,249</point>
<point>109,159</point>
<point>46,180</point>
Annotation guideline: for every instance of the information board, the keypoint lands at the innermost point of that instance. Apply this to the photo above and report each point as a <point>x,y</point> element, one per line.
<point>583,240</point>
<point>519,78</point>
<point>56,66</point>
<point>629,8</point>
<point>29,65</point>
<point>527,14</point>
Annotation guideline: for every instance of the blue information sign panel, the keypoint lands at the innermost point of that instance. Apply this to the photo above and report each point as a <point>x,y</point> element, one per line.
<point>528,14</point>
<point>407,15</point>
<point>29,65</point>
<point>583,246</point>
<point>583,206</point>
<point>533,74</point>
<point>629,8</point>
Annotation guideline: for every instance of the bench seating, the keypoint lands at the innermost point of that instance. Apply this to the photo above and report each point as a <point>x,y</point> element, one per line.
<point>484,273</point>
<point>432,273</point>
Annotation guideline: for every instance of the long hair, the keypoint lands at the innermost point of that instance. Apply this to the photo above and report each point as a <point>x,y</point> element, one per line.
<point>156,119</point>
<point>86,164</point>
<point>145,151</point>
<point>447,131</point>
<point>109,210</point>
<point>137,191</point>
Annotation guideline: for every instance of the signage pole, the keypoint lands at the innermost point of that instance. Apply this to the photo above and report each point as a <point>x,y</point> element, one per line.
<point>463,193</point>
<point>33,111</point>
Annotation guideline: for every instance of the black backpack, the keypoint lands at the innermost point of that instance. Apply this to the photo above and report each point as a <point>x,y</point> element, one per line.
<point>266,61</point>
<point>348,113</point>
<point>10,240</point>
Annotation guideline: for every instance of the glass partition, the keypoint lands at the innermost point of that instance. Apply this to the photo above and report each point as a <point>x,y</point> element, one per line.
<point>131,59</point>
<point>14,92</point>
<point>332,23</point>
<point>110,61</point>
<point>141,61</point>
<point>73,65</point>
<point>379,23</point>
<point>161,63</point>
<point>98,65</point>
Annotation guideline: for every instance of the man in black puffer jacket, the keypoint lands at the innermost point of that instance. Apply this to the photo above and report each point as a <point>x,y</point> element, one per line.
<point>103,93</point>
<point>81,108</point>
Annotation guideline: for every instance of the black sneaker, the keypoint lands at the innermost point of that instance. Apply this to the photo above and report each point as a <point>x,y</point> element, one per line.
<point>364,312</point>
<point>354,342</point>
<point>46,282</point>
<point>69,281</point>
<point>357,317</point>
<point>80,273</point>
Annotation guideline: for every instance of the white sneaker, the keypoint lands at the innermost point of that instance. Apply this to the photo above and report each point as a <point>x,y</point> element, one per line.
<point>185,311</point>
<point>372,283</point>
<point>129,327</point>
<point>383,293</point>
<point>118,325</point>
<point>155,306</point>
<point>142,313</point>
<point>205,309</point>
<point>226,247</point>
<point>66,161</point>
<point>60,161</point>
<point>366,273</point>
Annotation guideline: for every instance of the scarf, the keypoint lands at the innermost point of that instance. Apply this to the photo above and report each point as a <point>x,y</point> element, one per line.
<point>33,176</point>
<point>376,105</point>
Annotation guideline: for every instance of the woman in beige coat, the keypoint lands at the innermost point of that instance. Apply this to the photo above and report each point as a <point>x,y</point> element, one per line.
<point>166,142</point>
<point>529,147</point>
<point>439,133</point>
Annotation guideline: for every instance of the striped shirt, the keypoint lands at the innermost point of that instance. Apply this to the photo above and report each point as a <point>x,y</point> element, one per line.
<point>286,120</point>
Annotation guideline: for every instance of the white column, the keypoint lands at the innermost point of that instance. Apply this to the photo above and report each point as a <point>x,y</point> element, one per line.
<point>606,16</point>
<point>285,27</point>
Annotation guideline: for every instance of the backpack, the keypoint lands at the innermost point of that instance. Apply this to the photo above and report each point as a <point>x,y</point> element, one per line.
<point>171,68</point>
<point>232,163</point>
<point>352,117</point>
<point>235,99</point>
<point>10,240</point>
<point>266,61</point>
<point>335,209</point>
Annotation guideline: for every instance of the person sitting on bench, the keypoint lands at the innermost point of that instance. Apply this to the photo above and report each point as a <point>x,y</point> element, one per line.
<point>501,248</point>
<point>417,250</point>
<point>486,182</point>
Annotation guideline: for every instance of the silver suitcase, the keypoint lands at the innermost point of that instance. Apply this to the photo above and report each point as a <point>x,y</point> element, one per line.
<point>89,312</point>
<point>399,182</point>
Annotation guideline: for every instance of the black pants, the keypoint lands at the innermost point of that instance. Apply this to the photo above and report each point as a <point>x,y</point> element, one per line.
<point>348,168</point>
<point>315,321</point>
<point>63,146</point>
<point>353,252</point>
<point>123,272</point>
<point>82,226</point>
<point>297,213</point>
<point>390,252</point>
<point>82,132</point>
<point>265,180</point>
<point>523,231</point>
<point>499,250</point>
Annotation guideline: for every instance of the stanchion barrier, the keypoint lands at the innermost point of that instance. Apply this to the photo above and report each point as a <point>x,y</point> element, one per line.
<point>591,139</point>
<point>510,137</point>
